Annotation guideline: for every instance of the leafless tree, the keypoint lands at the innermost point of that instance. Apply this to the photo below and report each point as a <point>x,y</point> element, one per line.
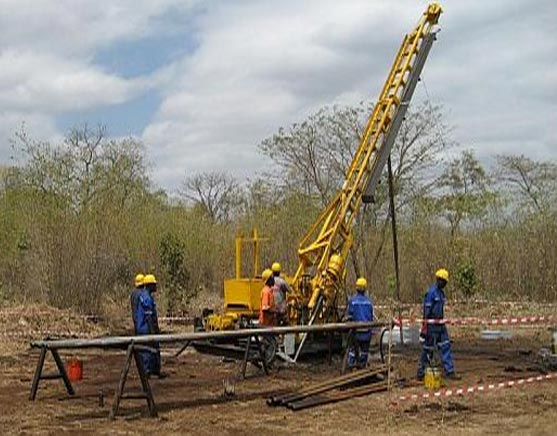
<point>531,184</point>
<point>218,194</point>
<point>312,156</point>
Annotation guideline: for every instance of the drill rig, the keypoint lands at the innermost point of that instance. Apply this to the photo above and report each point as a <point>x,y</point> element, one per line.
<point>316,285</point>
<point>324,249</point>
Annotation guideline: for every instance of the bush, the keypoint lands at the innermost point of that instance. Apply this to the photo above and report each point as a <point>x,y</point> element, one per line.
<point>177,277</point>
<point>466,280</point>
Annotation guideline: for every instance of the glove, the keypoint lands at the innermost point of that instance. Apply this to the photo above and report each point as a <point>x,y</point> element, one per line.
<point>423,332</point>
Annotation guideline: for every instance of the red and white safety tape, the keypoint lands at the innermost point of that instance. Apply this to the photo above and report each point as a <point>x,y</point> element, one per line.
<point>178,319</point>
<point>170,319</point>
<point>482,388</point>
<point>478,321</point>
<point>395,305</point>
<point>45,333</point>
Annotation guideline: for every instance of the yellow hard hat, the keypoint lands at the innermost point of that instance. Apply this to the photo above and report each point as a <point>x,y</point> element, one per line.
<point>139,279</point>
<point>275,267</point>
<point>149,279</point>
<point>442,273</point>
<point>361,283</point>
<point>266,274</point>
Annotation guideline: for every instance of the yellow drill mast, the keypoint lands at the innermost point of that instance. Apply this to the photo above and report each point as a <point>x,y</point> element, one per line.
<point>325,247</point>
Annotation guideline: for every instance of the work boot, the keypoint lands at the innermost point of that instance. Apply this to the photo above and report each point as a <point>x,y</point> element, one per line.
<point>453,376</point>
<point>420,377</point>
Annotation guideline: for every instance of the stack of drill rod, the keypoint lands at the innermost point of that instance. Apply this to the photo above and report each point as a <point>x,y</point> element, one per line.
<point>355,384</point>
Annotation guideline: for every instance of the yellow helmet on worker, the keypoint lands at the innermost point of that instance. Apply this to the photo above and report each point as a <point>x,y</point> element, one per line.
<point>150,279</point>
<point>361,283</point>
<point>275,267</point>
<point>139,280</point>
<point>442,274</point>
<point>266,274</point>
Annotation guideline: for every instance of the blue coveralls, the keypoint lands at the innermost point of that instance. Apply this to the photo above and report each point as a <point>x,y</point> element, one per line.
<point>436,335</point>
<point>360,309</point>
<point>134,302</point>
<point>147,323</point>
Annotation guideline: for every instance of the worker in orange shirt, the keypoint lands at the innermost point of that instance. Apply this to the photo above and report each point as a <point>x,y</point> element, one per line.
<point>267,304</point>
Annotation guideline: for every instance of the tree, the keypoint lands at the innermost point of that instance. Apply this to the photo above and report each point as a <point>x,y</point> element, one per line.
<point>466,192</point>
<point>217,194</point>
<point>75,198</point>
<point>531,184</point>
<point>313,156</point>
<point>86,168</point>
<point>423,137</point>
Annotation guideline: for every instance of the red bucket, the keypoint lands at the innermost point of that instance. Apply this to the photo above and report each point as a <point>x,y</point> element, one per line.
<point>75,369</point>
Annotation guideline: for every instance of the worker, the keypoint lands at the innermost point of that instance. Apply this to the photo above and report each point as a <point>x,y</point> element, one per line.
<point>134,298</point>
<point>360,309</point>
<point>433,333</point>
<point>267,303</point>
<point>280,289</point>
<point>147,324</point>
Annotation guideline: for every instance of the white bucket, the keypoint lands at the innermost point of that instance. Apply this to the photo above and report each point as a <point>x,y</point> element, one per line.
<point>495,334</point>
<point>410,335</point>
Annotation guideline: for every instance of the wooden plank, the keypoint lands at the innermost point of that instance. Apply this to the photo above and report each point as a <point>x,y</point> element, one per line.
<point>122,382</point>
<point>37,376</point>
<point>62,371</point>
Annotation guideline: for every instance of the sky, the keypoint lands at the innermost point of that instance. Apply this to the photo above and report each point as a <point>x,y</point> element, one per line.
<point>202,83</point>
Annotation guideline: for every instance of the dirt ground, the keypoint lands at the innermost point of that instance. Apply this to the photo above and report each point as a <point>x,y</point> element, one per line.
<point>191,401</point>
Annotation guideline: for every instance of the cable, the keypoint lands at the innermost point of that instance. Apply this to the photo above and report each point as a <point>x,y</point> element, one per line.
<point>430,105</point>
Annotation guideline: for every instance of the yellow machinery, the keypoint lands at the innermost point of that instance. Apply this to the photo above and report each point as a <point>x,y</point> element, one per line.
<point>325,247</point>
<point>241,294</point>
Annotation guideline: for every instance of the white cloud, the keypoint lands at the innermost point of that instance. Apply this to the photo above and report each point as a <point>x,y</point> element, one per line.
<point>261,65</point>
<point>494,68</point>
<point>43,82</point>
<point>79,27</point>
<point>46,57</point>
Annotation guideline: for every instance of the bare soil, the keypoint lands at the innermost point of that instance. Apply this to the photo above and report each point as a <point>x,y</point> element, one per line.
<point>191,401</point>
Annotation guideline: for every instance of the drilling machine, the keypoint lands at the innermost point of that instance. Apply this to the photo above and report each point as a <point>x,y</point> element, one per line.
<point>317,284</point>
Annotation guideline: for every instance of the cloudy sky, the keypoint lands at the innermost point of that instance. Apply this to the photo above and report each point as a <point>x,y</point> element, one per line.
<point>203,82</point>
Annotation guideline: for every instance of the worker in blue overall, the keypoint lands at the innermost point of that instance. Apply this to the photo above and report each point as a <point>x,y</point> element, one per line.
<point>434,332</point>
<point>134,299</point>
<point>147,324</point>
<point>360,309</point>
